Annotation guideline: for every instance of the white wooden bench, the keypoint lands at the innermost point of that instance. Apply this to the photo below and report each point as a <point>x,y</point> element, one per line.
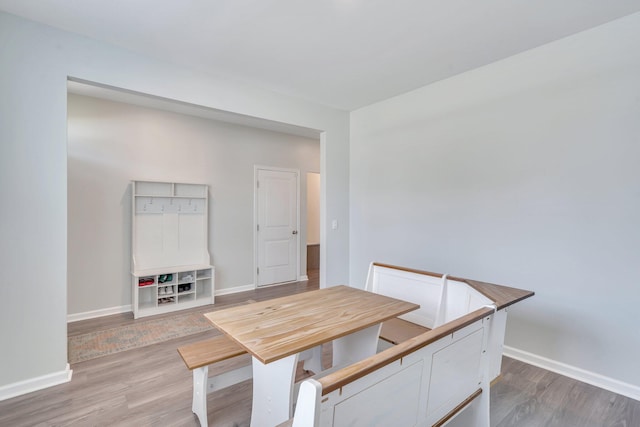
<point>441,299</point>
<point>438,377</point>
<point>200,355</point>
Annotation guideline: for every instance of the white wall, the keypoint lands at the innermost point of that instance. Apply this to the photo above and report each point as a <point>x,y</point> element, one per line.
<point>524,173</point>
<point>313,208</point>
<point>112,143</point>
<point>36,61</point>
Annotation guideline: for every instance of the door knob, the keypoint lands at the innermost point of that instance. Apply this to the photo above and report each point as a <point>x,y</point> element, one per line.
<point>294,232</point>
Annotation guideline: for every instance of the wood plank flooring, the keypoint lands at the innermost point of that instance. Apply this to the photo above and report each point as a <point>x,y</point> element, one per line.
<point>151,386</point>
<point>527,396</point>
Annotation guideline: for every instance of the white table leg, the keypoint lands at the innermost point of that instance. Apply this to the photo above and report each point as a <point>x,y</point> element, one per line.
<point>273,391</point>
<point>312,359</point>
<point>356,346</point>
<point>199,400</point>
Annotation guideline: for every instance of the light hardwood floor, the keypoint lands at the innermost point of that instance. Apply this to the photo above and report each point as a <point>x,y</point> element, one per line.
<point>151,386</point>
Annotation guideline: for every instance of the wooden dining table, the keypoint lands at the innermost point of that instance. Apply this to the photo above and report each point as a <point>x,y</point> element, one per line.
<point>275,332</point>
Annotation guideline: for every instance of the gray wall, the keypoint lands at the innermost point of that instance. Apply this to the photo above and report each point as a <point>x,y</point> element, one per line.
<point>112,143</point>
<point>525,173</point>
<point>36,62</point>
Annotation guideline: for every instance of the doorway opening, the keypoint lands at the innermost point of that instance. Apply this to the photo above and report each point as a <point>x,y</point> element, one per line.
<point>313,225</point>
<point>110,283</point>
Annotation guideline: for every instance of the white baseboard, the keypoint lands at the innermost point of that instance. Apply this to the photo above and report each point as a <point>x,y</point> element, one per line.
<point>34,384</point>
<point>234,290</point>
<point>629,390</point>
<point>98,313</point>
<point>127,308</point>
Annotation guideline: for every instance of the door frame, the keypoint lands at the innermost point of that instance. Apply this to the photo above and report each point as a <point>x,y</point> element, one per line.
<point>256,168</point>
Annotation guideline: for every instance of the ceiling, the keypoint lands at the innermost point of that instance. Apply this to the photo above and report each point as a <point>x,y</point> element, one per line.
<point>341,53</point>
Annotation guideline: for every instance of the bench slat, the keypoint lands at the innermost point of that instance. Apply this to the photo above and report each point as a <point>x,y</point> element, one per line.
<point>462,405</point>
<point>208,352</point>
<point>398,330</point>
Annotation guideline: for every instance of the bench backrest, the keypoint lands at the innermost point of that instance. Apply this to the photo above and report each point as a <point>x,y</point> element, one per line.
<point>459,299</point>
<point>409,285</point>
<point>422,381</point>
<point>441,299</point>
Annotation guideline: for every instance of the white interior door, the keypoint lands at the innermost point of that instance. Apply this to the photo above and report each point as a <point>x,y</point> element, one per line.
<point>277,237</point>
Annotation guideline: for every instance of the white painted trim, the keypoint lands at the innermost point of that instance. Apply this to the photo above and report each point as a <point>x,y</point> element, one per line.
<point>629,390</point>
<point>235,289</point>
<point>255,226</point>
<point>323,212</point>
<point>34,384</point>
<point>299,224</point>
<point>98,313</point>
<point>303,278</point>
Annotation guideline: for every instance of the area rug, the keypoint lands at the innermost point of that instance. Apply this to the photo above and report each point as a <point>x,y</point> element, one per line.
<point>109,341</point>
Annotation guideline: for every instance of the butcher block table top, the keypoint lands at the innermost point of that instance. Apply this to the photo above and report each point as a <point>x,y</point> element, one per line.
<point>277,328</point>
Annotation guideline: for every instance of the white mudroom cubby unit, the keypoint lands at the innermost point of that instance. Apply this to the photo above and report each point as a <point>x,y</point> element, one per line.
<point>170,268</point>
